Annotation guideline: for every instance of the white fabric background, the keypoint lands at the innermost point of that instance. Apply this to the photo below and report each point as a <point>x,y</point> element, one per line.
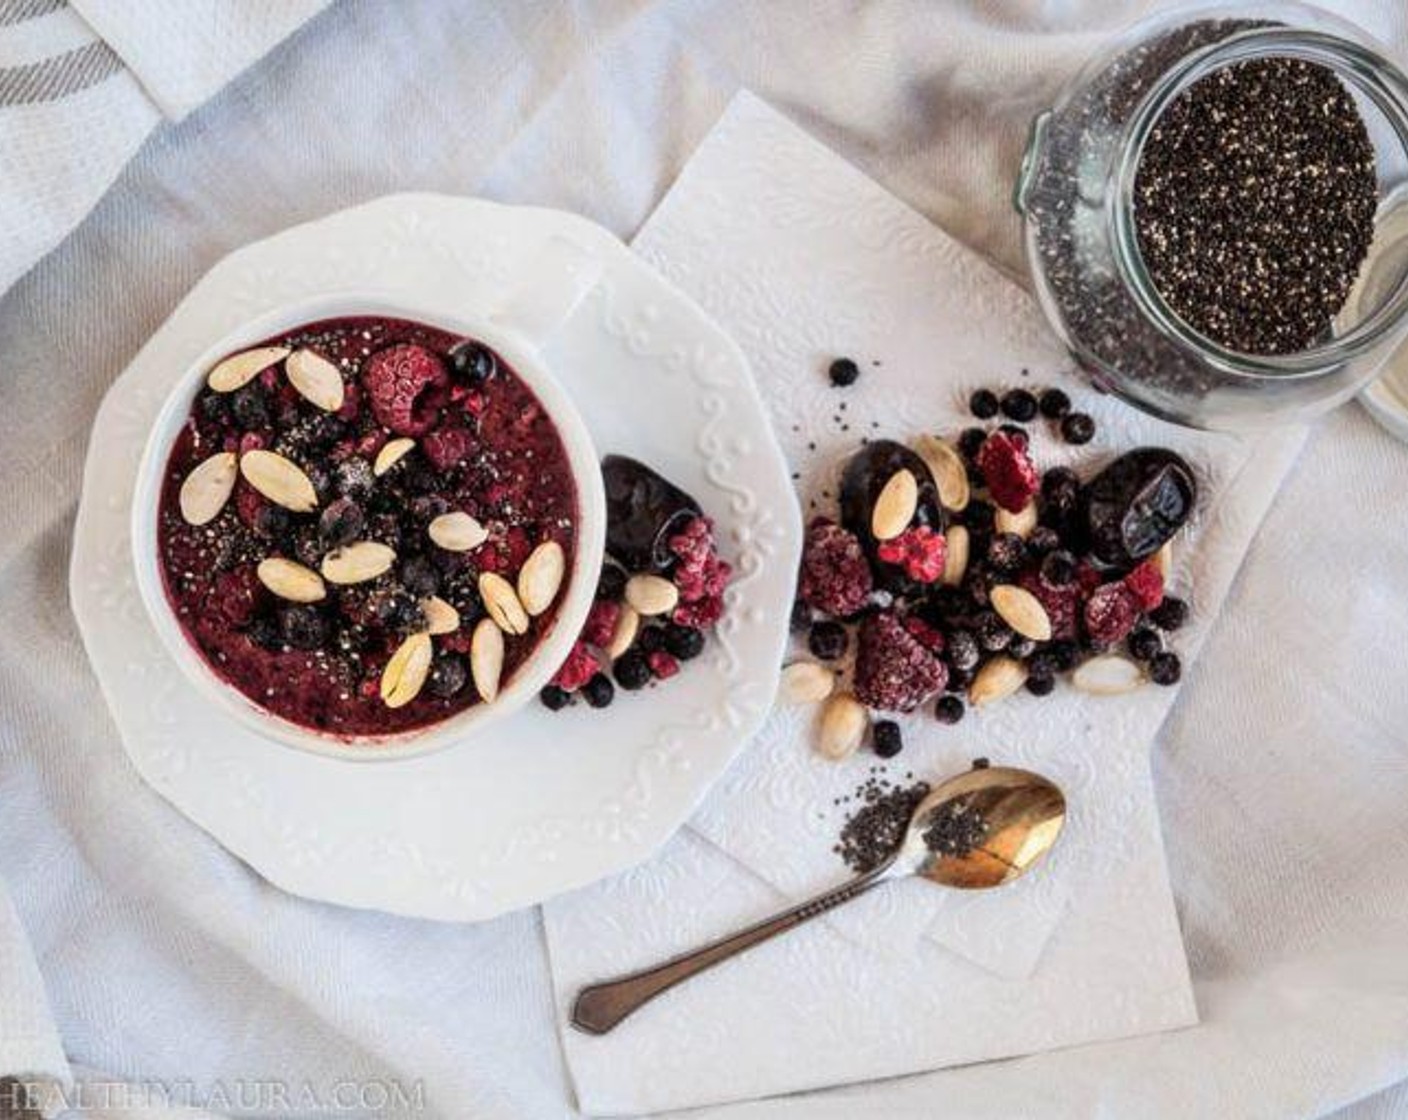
<point>1281,774</point>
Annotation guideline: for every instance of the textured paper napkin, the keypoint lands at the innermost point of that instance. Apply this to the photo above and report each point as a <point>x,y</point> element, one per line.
<point>802,258</point>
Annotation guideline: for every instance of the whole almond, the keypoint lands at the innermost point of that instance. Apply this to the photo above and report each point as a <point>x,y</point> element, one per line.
<point>541,576</point>
<point>1022,522</point>
<point>955,555</point>
<point>1107,676</point>
<point>457,532</point>
<point>207,488</point>
<point>652,595</point>
<point>406,672</point>
<point>996,680</point>
<point>240,369</point>
<point>279,479</point>
<point>316,378</point>
<point>843,724</point>
<point>1022,611</point>
<point>501,601</point>
<point>486,658</point>
<point>358,562</point>
<point>1163,560</point>
<point>440,616</point>
<point>290,580</point>
<point>948,471</point>
<point>805,682</point>
<point>624,634</point>
<point>895,506</point>
<point>391,453</point>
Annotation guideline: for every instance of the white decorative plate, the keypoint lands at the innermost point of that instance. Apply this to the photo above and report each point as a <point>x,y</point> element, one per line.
<point>540,802</point>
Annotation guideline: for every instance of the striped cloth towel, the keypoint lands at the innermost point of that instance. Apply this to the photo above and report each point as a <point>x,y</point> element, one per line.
<point>82,84</point>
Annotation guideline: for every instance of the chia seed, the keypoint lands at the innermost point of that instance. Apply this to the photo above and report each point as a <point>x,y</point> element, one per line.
<point>954,829</point>
<point>873,832</point>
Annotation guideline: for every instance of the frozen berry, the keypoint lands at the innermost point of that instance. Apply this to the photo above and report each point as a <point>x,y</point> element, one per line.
<point>214,406</point>
<point>1019,405</point>
<point>1042,664</point>
<point>302,627</point>
<point>959,680</point>
<point>894,672</point>
<point>579,668</point>
<point>828,641</point>
<point>250,406</point>
<point>1040,686</point>
<point>1011,478</point>
<point>886,739</point>
<point>918,550</point>
<point>599,691</point>
<point>650,639</point>
<point>835,576</point>
<point>1165,669</point>
<point>1064,653</point>
<point>979,516</point>
<point>1020,647</point>
<point>1007,552</point>
<point>631,670</point>
<point>927,636</point>
<point>1170,614</point>
<point>341,523</point>
<point>1020,436</point>
<point>975,586</point>
<point>1058,568</point>
<point>472,363</point>
<point>1110,613</point>
<point>353,478</point>
<point>992,633</point>
<point>970,440</point>
<point>949,709</point>
<point>554,698</point>
<point>448,675</point>
<point>801,618</point>
<point>1060,487</point>
<point>263,632</point>
<point>600,626</point>
<point>983,404</point>
<point>1054,404</point>
<point>612,582</point>
<point>1145,644</point>
<point>1077,428</point>
<point>1043,539</point>
<point>419,576</point>
<point>662,664</point>
<point>961,650</point>
<point>683,642</point>
<point>843,372</point>
<point>448,445</point>
<point>272,521</point>
<point>405,385</point>
<point>1147,583</point>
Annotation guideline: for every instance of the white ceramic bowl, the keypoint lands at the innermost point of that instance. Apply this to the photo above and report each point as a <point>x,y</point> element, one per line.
<point>506,335</point>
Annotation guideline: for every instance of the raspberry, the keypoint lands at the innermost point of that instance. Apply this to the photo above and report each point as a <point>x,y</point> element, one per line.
<point>1011,478</point>
<point>835,575</point>
<point>447,445</point>
<point>249,503</point>
<point>601,623</point>
<point>406,385</point>
<point>236,594</point>
<point>920,550</point>
<point>351,402</point>
<point>1147,583</point>
<point>1088,577</point>
<point>699,573</point>
<point>1061,602</point>
<point>662,664</point>
<point>924,634</point>
<point>894,672</point>
<point>577,670</point>
<point>1111,612</point>
<point>700,614</point>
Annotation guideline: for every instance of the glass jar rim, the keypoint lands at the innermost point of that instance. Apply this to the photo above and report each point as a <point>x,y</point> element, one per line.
<point>1369,73</point>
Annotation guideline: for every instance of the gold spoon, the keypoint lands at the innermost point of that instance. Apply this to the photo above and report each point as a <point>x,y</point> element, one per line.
<point>1023,813</point>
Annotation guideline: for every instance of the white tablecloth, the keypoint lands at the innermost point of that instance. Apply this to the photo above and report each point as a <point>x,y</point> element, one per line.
<point>1282,773</point>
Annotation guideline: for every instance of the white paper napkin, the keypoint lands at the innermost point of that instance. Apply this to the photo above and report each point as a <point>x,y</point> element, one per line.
<point>803,259</point>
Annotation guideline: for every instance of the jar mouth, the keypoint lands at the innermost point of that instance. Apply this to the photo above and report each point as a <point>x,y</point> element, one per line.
<point>1362,70</point>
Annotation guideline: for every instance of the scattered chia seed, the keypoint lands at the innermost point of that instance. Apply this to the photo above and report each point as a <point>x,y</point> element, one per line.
<point>876,828</point>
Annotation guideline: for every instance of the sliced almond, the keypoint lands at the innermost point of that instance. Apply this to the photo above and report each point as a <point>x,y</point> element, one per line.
<point>457,532</point>
<point>541,576</point>
<point>316,378</point>
<point>279,479</point>
<point>948,471</point>
<point>895,506</point>
<point>843,724</point>
<point>996,680</point>
<point>1163,561</point>
<point>486,658</point>
<point>1022,522</point>
<point>652,595</point>
<point>955,555</point>
<point>501,601</point>
<point>624,635</point>
<point>240,369</point>
<point>405,673</point>
<point>440,616</point>
<point>1108,676</point>
<point>1022,611</point>
<point>207,488</point>
<point>391,453</point>
<point>358,562</point>
<point>290,580</point>
<point>805,682</point>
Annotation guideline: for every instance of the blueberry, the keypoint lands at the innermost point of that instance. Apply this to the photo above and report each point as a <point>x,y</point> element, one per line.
<point>472,363</point>
<point>993,634</point>
<point>1054,404</point>
<point>1077,428</point>
<point>1041,686</point>
<point>1058,568</point>
<point>1169,614</point>
<point>959,680</point>
<point>302,627</point>
<point>1165,669</point>
<point>975,586</point>
<point>1019,405</point>
<point>1146,644</point>
<point>949,709</point>
<point>250,406</point>
<point>553,698</point>
<point>419,576</point>
<point>1021,647</point>
<point>651,639</point>
<point>214,406</point>
<point>1007,552</point>
<point>983,404</point>
<point>612,583</point>
<point>979,516</point>
<point>828,640</point>
<point>632,671</point>
<point>961,651</point>
<point>885,738</point>
<point>970,442</point>
<point>1043,663</point>
<point>1064,653</point>
<point>353,478</point>
<point>1043,539</point>
<point>273,522</point>
<point>1020,436</point>
<point>683,642</point>
<point>448,675</point>
<point>341,523</point>
<point>801,618</point>
<point>599,691</point>
<point>843,372</point>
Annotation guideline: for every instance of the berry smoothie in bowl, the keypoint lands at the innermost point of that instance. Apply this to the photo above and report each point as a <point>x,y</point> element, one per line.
<point>367,532</point>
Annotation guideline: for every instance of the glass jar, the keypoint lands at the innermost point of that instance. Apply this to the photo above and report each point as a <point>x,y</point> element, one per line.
<point>1076,195</point>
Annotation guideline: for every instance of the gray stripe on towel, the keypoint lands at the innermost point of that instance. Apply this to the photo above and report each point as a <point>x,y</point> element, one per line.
<point>53,78</point>
<point>17,11</point>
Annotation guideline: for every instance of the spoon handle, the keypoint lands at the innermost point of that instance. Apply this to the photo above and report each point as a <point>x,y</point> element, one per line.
<point>601,1006</point>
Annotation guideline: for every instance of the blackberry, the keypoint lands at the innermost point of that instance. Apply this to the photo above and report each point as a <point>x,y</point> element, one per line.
<point>1043,539</point>
<point>1021,647</point>
<point>341,523</point>
<point>828,640</point>
<point>993,634</point>
<point>448,674</point>
<point>599,691</point>
<point>554,698</point>
<point>683,642</point>
<point>1144,645</point>
<point>302,627</point>
<point>885,738</point>
<point>250,406</point>
<point>983,404</point>
<point>472,363</point>
<point>1020,436</point>
<point>961,650</point>
<point>1060,489</point>
<point>1064,654</point>
<point>263,632</point>
<point>1019,405</point>
<point>1054,404</point>
<point>1165,669</point>
<point>419,576</point>
<point>975,585</point>
<point>970,441</point>
<point>979,516</point>
<point>353,478</point>
<point>801,618</point>
<point>1077,428</point>
<point>214,406</point>
<point>1058,568</point>
<point>1041,686</point>
<point>651,639</point>
<point>1169,614</point>
<point>612,583</point>
<point>843,372</point>
<point>949,709</point>
<point>631,670</point>
<point>1007,552</point>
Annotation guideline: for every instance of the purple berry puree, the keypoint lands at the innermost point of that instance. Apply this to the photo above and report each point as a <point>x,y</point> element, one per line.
<point>484,445</point>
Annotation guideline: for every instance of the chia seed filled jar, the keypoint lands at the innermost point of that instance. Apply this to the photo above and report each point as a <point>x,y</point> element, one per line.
<point>1076,192</point>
